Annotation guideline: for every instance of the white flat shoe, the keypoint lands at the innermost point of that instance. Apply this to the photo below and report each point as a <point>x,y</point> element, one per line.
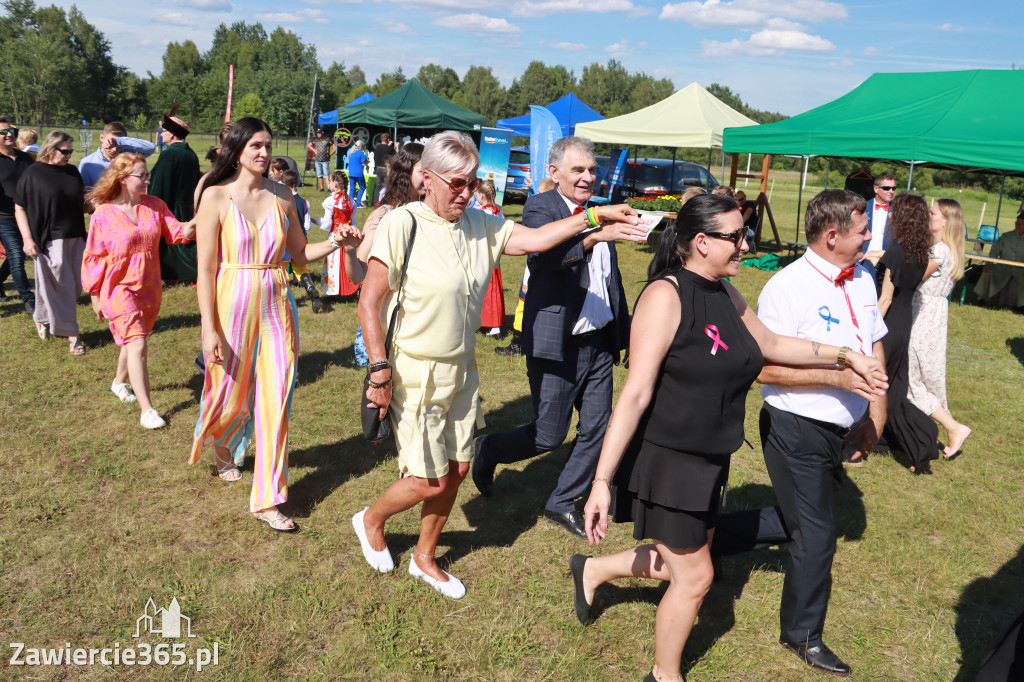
<point>380,561</point>
<point>453,588</point>
<point>151,419</point>
<point>123,391</point>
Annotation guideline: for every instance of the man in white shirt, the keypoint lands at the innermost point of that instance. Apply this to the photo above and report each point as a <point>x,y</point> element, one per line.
<point>810,417</point>
<point>575,323</point>
<point>877,211</point>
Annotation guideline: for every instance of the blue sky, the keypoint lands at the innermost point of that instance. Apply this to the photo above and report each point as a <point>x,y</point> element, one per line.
<point>782,56</point>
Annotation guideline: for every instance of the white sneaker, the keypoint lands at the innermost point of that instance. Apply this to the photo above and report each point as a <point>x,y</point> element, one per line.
<point>453,588</point>
<point>123,391</point>
<point>379,560</point>
<point>150,419</point>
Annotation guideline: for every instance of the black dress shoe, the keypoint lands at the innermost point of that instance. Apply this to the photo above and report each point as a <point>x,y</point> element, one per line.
<point>579,602</point>
<point>515,346</point>
<point>819,657</point>
<point>572,521</point>
<point>483,475</point>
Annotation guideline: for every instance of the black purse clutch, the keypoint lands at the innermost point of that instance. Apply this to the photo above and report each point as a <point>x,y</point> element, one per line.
<point>375,429</point>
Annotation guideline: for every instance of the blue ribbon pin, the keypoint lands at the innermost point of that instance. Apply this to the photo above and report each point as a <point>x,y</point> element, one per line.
<point>826,314</point>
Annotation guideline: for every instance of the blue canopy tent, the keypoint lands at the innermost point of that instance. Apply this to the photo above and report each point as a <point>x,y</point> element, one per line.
<point>569,111</point>
<point>330,118</point>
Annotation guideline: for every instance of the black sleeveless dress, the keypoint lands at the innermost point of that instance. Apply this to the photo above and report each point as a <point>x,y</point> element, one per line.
<point>670,480</point>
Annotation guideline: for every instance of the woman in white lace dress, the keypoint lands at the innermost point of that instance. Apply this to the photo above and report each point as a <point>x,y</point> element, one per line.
<point>931,320</point>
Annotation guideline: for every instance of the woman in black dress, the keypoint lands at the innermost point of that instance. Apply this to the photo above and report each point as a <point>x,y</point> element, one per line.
<point>695,349</point>
<point>905,265</point>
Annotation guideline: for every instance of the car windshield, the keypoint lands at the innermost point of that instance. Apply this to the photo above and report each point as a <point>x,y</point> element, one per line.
<point>519,158</point>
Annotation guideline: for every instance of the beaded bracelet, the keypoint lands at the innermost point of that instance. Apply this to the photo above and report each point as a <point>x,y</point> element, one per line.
<point>379,384</point>
<point>377,366</point>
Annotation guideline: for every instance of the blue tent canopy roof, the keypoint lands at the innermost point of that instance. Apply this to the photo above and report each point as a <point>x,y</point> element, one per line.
<point>330,118</point>
<point>569,111</point>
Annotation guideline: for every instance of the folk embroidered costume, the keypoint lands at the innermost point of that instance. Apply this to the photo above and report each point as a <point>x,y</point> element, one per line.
<point>338,210</point>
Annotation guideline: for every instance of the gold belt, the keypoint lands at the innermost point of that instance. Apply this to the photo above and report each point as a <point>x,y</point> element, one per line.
<point>250,266</point>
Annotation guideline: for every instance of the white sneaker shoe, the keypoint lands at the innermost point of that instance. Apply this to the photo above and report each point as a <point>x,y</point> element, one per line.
<point>453,588</point>
<point>123,391</point>
<point>380,561</point>
<point>150,419</point>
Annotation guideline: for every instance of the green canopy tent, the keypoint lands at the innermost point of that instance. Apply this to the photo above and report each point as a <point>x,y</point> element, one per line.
<point>411,106</point>
<point>969,120</point>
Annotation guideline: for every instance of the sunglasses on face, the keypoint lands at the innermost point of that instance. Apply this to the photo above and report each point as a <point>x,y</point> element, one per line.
<point>456,185</point>
<point>66,152</point>
<point>887,188</point>
<point>9,131</point>
<point>734,237</point>
<point>141,176</point>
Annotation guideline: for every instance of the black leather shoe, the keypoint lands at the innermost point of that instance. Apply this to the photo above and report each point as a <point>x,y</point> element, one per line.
<point>515,346</point>
<point>820,658</point>
<point>483,475</point>
<point>579,602</point>
<point>571,521</point>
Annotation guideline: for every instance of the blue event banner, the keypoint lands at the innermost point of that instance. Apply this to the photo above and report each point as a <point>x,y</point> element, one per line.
<point>495,148</point>
<point>544,131</point>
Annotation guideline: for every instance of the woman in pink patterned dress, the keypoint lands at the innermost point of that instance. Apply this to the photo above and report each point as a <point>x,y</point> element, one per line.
<point>121,270</point>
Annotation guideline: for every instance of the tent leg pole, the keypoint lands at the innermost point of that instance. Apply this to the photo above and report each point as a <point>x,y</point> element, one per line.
<point>799,202</point>
<point>828,165</point>
<point>910,178</point>
<point>999,208</point>
<point>722,150</point>
<point>708,188</point>
<point>672,175</point>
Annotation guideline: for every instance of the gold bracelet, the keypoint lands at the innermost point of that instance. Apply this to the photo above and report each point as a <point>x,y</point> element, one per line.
<point>841,360</point>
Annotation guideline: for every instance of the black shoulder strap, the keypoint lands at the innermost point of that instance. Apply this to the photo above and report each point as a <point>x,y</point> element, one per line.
<point>401,285</point>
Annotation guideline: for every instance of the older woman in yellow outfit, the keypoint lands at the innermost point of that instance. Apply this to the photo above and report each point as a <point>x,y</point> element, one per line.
<point>430,381</point>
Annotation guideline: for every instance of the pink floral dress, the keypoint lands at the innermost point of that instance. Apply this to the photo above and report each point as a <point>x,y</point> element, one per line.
<point>122,264</point>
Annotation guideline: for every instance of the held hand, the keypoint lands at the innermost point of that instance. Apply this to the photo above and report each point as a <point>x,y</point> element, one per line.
<point>348,236</point>
<point>610,232</point>
<point>863,439</point>
<point>96,308</point>
<point>870,369</point>
<point>595,513</point>
<point>620,213</point>
<point>379,397</point>
<point>213,348</point>
<point>31,249</point>
<point>873,256</point>
<point>189,230</point>
<point>848,380</point>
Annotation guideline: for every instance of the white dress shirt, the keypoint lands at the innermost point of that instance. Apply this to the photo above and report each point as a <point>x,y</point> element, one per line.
<point>597,307</point>
<point>802,301</point>
<point>879,217</point>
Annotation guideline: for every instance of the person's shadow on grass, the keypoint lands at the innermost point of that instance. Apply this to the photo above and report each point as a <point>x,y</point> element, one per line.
<point>986,608</point>
<point>1016,346</point>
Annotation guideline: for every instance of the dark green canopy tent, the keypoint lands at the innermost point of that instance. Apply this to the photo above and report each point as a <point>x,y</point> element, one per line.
<point>411,106</point>
<point>968,119</point>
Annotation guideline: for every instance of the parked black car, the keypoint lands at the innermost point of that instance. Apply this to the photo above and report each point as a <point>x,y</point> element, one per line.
<point>654,176</point>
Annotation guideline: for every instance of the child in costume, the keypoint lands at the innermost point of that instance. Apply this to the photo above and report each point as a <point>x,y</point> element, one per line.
<point>339,211</point>
<point>493,314</point>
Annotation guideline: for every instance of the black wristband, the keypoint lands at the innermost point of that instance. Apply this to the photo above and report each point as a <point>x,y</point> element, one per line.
<point>377,366</point>
<point>379,384</point>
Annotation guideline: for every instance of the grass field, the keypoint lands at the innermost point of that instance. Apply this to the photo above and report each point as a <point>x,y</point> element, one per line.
<point>98,515</point>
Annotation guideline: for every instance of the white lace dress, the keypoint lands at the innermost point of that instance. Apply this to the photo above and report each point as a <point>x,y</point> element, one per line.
<point>928,335</point>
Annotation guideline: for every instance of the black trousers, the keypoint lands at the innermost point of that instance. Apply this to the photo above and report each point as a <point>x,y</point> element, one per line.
<point>804,462</point>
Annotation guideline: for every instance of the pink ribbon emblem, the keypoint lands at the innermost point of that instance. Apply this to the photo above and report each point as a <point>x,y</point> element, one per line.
<point>712,332</point>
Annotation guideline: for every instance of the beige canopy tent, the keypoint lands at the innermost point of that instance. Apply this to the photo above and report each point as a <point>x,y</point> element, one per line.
<point>691,117</point>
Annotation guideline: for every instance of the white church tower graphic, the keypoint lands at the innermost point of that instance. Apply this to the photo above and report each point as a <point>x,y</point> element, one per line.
<point>163,622</point>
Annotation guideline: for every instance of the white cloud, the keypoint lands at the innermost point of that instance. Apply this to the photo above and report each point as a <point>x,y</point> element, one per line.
<point>179,19</point>
<point>871,51</point>
<point>299,17</point>
<point>207,5</point>
<point>540,8</point>
<point>571,47</point>
<point>768,43</point>
<point>750,13</point>
<point>620,49</point>
<point>841,64</point>
<point>476,23</point>
<point>949,27</point>
<point>397,28</point>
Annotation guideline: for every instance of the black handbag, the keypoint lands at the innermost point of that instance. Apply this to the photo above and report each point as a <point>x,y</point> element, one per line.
<point>375,429</point>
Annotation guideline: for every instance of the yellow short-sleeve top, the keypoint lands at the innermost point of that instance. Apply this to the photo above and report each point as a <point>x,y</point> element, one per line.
<point>449,270</point>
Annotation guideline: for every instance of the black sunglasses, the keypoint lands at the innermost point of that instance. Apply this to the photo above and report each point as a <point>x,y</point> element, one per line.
<point>66,152</point>
<point>734,237</point>
<point>887,188</point>
<point>456,185</point>
<point>9,131</point>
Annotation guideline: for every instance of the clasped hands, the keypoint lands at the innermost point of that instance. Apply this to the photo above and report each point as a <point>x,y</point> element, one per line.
<point>347,236</point>
<point>618,222</point>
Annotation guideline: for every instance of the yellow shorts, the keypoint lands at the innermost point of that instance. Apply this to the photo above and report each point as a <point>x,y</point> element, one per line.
<point>435,409</point>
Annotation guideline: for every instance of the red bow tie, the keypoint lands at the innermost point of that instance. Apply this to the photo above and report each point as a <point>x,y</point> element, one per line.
<point>577,210</point>
<point>844,274</point>
<point>884,207</point>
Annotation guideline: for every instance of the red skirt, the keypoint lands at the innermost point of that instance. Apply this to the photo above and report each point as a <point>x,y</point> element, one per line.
<point>334,278</point>
<point>493,314</point>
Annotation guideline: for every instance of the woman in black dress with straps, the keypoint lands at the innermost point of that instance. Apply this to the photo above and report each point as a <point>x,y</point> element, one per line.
<point>695,349</point>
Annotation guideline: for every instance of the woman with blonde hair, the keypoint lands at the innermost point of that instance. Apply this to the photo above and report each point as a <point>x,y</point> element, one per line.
<point>927,388</point>
<point>49,207</point>
<point>121,270</point>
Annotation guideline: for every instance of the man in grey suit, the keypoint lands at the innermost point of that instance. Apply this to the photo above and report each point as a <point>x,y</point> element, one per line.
<point>575,324</point>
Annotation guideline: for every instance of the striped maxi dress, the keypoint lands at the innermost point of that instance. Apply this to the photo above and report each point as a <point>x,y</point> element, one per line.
<point>253,387</point>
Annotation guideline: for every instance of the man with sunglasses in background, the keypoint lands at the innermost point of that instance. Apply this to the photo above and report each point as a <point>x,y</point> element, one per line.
<point>113,140</point>
<point>13,162</point>
<point>575,323</point>
<point>878,217</point>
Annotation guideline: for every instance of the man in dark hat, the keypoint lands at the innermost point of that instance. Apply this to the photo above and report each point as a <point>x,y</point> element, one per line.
<point>174,180</point>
